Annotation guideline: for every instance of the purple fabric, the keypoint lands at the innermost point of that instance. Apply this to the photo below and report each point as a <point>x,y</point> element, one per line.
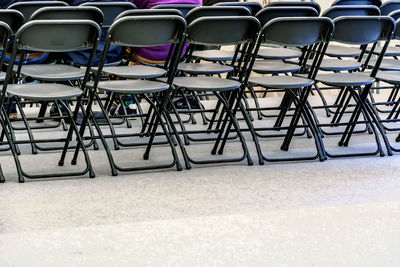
<point>158,53</point>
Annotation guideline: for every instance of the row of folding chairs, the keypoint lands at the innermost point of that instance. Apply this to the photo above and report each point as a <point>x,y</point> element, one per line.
<point>313,34</point>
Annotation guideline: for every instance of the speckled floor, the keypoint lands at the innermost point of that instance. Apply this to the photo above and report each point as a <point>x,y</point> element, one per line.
<point>342,212</point>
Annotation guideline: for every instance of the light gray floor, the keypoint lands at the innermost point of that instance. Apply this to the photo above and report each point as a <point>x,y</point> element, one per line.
<point>342,212</point>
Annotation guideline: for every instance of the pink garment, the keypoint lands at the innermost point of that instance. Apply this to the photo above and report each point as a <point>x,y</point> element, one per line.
<point>158,53</point>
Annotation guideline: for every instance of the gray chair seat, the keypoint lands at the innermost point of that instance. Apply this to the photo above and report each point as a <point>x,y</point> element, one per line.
<point>274,67</point>
<point>342,51</point>
<point>281,82</point>
<point>392,51</point>
<point>2,76</point>
<point>278,53</point>
<point>388,64</point>
<point>134,72</point>
<point>206,83</point>
<point>331,64</point>
<point>345,79</point>
<point>131,86</point>
<point>52,72</point>
<point>214,55</point>
<point>392,77</point>
<point>44,91</point>
<point>199,68</point>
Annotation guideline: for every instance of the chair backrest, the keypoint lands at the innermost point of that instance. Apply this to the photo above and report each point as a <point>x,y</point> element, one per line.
<point>110,10</point>
<point>149,12</point>
<point>390,6</point>
<point>377,3</point>
<point>222,30</point>
<point>395,15</point>
<point>146,31</point>
<point>212,11</point>
<point>253,7</point>
<point>297,31</point>
<point>64,13</point>
<point>339,11</point>
<point>314,5</point>
<point>270,13</point>
<point>13,18</point>
<point>183,8</point>
<point>5,33</point>
<point>396,34</point>
<point>28,8</point>
<point>363,30</point>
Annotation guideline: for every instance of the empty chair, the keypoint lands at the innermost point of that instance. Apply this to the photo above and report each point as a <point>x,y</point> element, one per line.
<point>51,36</point>
<point>314,5</point>
<point>377,3</point>
<point>357,85</point>
<point>253,7</point>
<point>139,31</point>
<point>28,8</point>
<point>308,33</point>
<point>70,12</point>
<point>149,12</point>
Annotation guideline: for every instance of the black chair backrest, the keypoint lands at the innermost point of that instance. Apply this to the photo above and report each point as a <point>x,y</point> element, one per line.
<point>390,6</point>
<point>363,30</point>
<point>55,35</point>
<point>270,13</point>
<point>149,12</point>
<point>212,11</point>
<point>183,8</point>
<point>298,31</point>
<point>79,12</point>
<point>110,10</point>
<point>253,7</point>
<point>314,5</point>
<point>377,3</point>
<point>13,18</point>
<point>396,34</point>
<point>395,15</point>
<point>28,8</point>
<point>339,11</point>
<point>222,30</point>
<point>146,31</point>
<point>5,33</point>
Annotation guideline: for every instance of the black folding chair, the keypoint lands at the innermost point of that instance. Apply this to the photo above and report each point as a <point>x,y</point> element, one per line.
<point>219,31</point>
<point>313,34</point>
<point>389,6</point>
<point>140,31</point>
<point>50,36</point>
<point>28,8</point>
<point>357,85</point>
<point>13,18</point>
<point>5,34</point>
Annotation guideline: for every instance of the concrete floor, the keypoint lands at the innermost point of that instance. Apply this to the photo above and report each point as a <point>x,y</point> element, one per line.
<point>342,212</point>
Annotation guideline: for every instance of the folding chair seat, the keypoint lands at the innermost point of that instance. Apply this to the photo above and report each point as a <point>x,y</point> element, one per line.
<point>51,36</point>
<point>5,35</point>
<point>28,8</point>
<point>357,85</point>
<point>139,31</point>
<point>274,67</point>
<point>212,31</point>
<point>308,33</point>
